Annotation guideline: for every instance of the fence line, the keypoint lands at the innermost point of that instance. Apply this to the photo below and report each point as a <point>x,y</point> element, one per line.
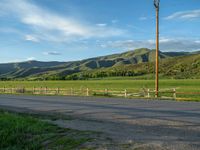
<point>170,93</point>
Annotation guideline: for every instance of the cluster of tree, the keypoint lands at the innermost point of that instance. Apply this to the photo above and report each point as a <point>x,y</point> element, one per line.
<point>55,77</point>
<point>4,79</point>
<point>103,74</point>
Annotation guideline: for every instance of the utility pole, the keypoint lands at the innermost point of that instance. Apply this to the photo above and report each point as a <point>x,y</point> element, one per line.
<point>157,4</point>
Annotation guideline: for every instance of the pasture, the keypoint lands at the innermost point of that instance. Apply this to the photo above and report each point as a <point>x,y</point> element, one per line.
<point>186,89</point>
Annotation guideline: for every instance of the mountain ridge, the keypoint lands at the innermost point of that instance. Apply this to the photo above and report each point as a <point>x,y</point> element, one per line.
<point>59,70</point>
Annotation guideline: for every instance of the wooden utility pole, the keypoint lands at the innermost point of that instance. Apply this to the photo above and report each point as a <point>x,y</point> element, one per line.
<point>157,4</point>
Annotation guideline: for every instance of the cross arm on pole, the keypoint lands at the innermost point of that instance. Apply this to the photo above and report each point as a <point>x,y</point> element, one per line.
<point>156,3</point>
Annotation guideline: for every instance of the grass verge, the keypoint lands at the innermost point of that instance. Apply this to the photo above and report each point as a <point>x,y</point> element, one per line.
<point>20,131</point>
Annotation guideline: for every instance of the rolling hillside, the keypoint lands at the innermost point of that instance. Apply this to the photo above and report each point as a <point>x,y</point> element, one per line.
<point>181,67</point>
<point>138,62</point>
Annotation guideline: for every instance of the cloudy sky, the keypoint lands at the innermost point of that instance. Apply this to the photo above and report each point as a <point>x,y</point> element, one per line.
<point>65,30</point>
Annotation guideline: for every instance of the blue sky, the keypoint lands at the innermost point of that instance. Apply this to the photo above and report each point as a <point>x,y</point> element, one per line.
<point>65,30</point>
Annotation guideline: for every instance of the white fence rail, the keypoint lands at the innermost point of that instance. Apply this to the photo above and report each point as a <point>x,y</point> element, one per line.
<point>145,93</point>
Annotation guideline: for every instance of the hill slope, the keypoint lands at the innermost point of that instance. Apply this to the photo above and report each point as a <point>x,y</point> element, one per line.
<point>182,67</point>
<point>59,70</point>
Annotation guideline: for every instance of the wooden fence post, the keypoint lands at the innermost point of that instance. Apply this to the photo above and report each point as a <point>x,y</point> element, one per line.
<point>174,93</point>
<point>87,92</point>
<point>148,93</point>
<point>58,91</point>
<point>45,90</point>
<point>81,90</point>
<point>125,93</point>
<point>4,89</point>
<point>33,90</point>
<point>71,91</point>
<point>40,90</point>
<point>106,91</point>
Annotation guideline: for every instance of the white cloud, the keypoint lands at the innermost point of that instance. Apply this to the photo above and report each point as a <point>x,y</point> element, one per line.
<point>31,38</point>
<point>101,24</point>
<point>179,45</point>
<point>30,58</point>
<point>52,53</point>
<point>193,14</point>
<point>198,41</point>
<point>166,44</point>
<point>13,61</point>
<point>128,44</point>
<point>50,26</point>
<point>114,21</point>
<point>143,18</point>
<point>17,60</point>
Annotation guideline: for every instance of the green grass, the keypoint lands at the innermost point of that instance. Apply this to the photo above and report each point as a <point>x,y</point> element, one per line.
<point>182,85</point>
<point>186,85</point>
<point>19,131</point>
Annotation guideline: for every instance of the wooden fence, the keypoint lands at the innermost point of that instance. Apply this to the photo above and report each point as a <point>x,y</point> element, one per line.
<point>127,93</point>
<point>144,93</point>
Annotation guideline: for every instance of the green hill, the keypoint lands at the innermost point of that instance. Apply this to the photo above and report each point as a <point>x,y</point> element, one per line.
<point>182,67</point>
<point>132,63</point>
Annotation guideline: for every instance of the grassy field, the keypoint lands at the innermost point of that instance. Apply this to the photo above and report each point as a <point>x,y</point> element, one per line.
<point>188,86</point>
<point>181,85</point>
<point>19,131</point>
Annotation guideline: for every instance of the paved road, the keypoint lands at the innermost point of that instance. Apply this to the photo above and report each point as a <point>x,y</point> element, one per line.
<point>163,124</point>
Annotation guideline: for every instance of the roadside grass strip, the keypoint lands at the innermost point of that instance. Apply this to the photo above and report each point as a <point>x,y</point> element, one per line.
<point>21,131</point>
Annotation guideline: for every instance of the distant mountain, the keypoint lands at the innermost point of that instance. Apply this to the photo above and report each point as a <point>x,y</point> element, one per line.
<point>60,70</point>
<point>22,69</point>
<point>181,67</point>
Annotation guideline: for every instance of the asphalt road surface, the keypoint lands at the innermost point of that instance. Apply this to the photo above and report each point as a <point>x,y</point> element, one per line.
<point>146,124</point>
